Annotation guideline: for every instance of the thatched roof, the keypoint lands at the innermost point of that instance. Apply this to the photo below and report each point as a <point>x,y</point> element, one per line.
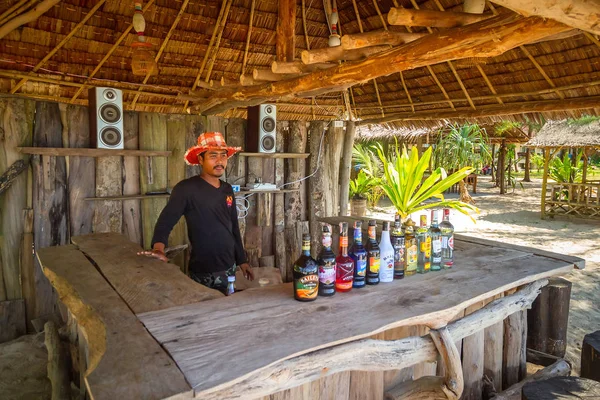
<point>567,133</point>
<point>58,55</point>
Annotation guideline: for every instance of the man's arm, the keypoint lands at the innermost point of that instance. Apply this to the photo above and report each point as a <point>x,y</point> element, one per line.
<point>240,254</point>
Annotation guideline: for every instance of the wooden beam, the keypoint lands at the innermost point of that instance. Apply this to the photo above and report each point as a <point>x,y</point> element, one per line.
<point>327,54</point>
<point>581,14</point>
<point>286,30</point>
<point>27,17</point>
<point>304,25</point>
<point>218,42</point>
<point>250,23</point>
<point>432,18</point>
<point>12,9</point>
<point>270,76</point>
<point>298,67</point>
<point>61,44</point>
<point>378,38</point>
<point>493,110</point>
<point>541,70</point>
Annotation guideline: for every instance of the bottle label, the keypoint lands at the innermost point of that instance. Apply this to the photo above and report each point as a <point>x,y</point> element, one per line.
<point>374,264</point>
<point>345,275</point>
<point>436,246</point>
<point>387,268</point>
<point>411,254</point>
<point>307,287</point>
<point>343,241</point>
<point>326,241</point>
<point>451,242</point>
<point>305,246</point>
<point>428,247</point>
<point>361,267</point>
<point>327,273</point>
<point>372,232</point>
<point>357,236</point>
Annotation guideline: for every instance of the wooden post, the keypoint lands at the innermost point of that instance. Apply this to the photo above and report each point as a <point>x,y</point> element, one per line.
<point>514,348</point>
<point>502,166</point>
<point>494,172</point>
<point>346,166</point>
<point>27,268</point>
<point>492,358</point>
<point>473,360</point>
<point>132,222</point>
<point>286,30</point>
<point>195,127</point>
<point>590,356</point>
<point>58,363</point>
<point>527,178</point>
<point>585,166</point>
<point>559,296</point>
<point>279,207</point>
<point>108,216</point>
<point>316,187</point>
<point>176,173</point>
<point>545,181</point>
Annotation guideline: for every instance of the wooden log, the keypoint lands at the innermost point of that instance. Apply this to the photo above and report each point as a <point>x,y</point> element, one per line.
<point>16,123</point>
<point>513,360</point>
<point>108,215</point>
<point>297,67</point>
<point>82,170</point>
<point>473,361</point>
<point>153,170</point>
<point>332,154</point>
<point>27,268</point>
<point>492,356</point>
<point>562,387</point>
<point>559,368</point>
<point>540,358</point>
<point>590,356</point>
<point>316,185</point>
<point>285,45</point>
<point>453,383</point>
<point>264,211</point>
<point>245,80</point>
<point>9,176</point>
<point>176,173</point>
<point>12,320</point>
<point>428,387</point>
<point>367,354</point>
<point>132,221</point>
<point>58,363</point>
<point>330,54</point>
<point>579,14</point>
<point>487,38</point>
<point>378,38</point>
<point>346,166</point>
<point>49,198</point>
<point>269,76</point>
<point>279,204</point>
<point>433,18</point>
<point>31,15</point>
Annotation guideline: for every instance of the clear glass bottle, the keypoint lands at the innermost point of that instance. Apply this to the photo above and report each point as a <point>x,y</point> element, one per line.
<point>344,263</point>
<point>386,254</point>
<point>359,256</point>
<point>447,230</point>
<point>412,250</point>
<point>326,262</point>
<point>373,255</point>
<point>424,242</point>
<point>398,244</point>
<point>305,272</point>
<point>230,285</point>
<point>436,242</point>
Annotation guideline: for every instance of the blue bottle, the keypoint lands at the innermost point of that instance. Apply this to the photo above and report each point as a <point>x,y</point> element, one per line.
<point>359,255</point>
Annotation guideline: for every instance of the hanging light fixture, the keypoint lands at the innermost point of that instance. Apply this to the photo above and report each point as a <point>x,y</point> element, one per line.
<point>334,38</point>
<point>142,58</point>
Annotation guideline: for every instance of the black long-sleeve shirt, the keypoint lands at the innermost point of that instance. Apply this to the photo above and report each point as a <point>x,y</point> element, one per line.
<point>211,217</point>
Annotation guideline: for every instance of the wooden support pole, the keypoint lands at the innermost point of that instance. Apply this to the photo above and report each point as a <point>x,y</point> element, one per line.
<point>58,363</point>
<point>286,30</point>
<point>270,76</point>
<point>453,379</point>
<point>492,357</point>
<point>378,38</point>
<point>298,67</point>
<point>27,17</point>
<point>432,18</point>
<point>515,329</point>
<point>279,203</point>
<point>473,361</point>
<point>590,356</point>
<point>502,166</point>
<point>337,53</point>
<point>316,184</point>
<point>346,166</point>
<point>545,181</point>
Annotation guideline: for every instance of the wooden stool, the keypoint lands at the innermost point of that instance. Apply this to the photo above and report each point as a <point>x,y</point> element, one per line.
<point>562,387</point>
<point>590,356</point>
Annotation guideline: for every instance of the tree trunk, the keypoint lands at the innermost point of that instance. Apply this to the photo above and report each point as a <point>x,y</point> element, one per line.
<point>501,168</point>
<point>464,193</point>
<point>527,178</point>
<point>494,165</point>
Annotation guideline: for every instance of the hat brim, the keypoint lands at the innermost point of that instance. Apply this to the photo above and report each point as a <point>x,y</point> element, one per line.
<point>191,155</point>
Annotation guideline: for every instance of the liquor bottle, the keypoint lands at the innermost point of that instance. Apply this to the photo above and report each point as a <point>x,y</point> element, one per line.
<point>326,262</point>
<point>359,256</point>
<point>230,285</point>
<point>373,259</point>
<point>447,230</point>
<point>411,246</point>
<point>398,244</point>
<point>306,278</point>
<point>386,254</point>
<point>436,242</point>
<point>343,263</point>
<point>424,240</point>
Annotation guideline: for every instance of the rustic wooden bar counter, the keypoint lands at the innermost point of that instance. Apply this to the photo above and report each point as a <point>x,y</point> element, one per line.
<point>261,342</point>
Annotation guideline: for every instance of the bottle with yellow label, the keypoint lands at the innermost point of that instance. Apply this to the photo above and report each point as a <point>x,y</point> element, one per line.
<point>306,274</point>
<point>411,254</point>
<point>373,255</point>
<point>424,240</point>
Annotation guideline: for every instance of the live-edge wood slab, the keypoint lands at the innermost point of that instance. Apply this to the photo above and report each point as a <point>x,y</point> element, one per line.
<point>146,284</point>
<point>124,361</point>
<point>269,325</point>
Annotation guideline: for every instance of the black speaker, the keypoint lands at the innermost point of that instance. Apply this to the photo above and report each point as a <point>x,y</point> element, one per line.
<point>106,118</point>
<point>261,131</point>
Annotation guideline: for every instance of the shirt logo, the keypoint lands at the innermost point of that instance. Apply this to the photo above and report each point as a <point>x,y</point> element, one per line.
<point>229,200</point>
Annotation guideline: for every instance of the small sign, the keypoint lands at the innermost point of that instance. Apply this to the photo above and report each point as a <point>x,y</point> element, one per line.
<point>236,188</point>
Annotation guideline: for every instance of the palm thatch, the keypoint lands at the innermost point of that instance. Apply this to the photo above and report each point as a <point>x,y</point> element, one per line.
<point>567,133</point>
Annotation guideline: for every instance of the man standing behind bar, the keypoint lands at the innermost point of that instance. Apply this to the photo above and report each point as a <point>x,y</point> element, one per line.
<point>210,211</point>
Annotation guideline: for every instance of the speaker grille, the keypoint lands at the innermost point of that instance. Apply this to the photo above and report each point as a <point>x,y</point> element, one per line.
<point>268,124</point>
<point>268,143</point>
<point>110,136</point>
<point>110,94</point>
<point>110,113</point>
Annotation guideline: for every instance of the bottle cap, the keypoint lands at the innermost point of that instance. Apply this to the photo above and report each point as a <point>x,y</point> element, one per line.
<point>231,278</point>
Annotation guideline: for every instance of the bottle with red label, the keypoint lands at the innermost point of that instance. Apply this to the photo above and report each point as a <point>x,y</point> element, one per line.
<point>326,262</point>
<point>344,264</point>
<point>447,240</point>
<point>306,278</point>
<point>373,255</point>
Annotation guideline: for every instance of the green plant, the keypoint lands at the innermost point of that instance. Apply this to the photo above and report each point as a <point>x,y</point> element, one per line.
<point>461,146</point>
<point>361,185</point>
<point>365,157</point>
<point>538,161</point>
<point>564,170</point>
<point>583,120</point>
<point>407,188</point>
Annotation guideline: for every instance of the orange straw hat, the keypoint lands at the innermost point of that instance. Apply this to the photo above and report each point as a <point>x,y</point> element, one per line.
<point>208,141</point>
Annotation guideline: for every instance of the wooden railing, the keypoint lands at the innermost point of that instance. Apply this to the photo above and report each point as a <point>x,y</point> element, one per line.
<point>573,199</point>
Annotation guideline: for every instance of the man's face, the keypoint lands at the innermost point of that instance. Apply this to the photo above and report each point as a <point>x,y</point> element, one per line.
<point>214,162</point>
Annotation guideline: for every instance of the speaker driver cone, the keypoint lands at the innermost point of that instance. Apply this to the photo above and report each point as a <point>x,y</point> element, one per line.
<point>110,136</point>
<point>268,143</point>
<point>110,113</point>
<point>268,124</point>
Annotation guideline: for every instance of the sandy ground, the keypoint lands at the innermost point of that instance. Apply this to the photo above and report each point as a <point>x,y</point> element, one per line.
<point>515,218</point>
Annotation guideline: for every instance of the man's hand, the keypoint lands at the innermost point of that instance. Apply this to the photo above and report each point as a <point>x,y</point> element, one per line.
<point>247,270</point>
<point>155,254</point>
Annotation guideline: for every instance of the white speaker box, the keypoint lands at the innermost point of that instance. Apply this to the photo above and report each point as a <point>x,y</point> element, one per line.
<point>106,118</point>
